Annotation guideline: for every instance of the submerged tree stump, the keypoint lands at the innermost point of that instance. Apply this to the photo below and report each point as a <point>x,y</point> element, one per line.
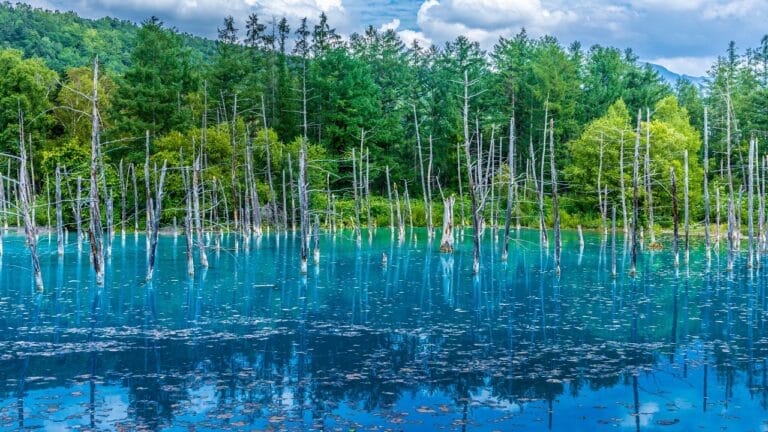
<point>446,242</point>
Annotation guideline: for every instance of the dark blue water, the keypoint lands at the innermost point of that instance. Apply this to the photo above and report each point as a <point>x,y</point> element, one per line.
<point>419,344</point>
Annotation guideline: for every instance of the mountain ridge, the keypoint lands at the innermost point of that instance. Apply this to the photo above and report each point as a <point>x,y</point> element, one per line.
<point>671,77</point>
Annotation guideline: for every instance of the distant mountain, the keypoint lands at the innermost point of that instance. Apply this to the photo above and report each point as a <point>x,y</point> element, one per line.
<point>64,40</point>
<point>672,77</point>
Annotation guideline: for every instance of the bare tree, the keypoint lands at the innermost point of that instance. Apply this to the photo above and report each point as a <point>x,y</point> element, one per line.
<point>475,176</point>
<point>636,200</point>
<point>196,205</point>
<point>555,206</point>
<point>648,184</point>
<point>675,217</point>
<point>707,241</point>
<point>156,206</point>
<point>425,177</point>
<point>95,231</point>
<point>510,187</point>
<point>59,214</point>
<point>27,200</point>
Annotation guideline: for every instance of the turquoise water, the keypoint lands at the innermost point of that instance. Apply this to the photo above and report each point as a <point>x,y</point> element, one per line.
<point>419,344</point>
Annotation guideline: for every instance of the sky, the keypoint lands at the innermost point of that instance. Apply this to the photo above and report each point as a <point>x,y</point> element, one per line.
<point>685,36</point>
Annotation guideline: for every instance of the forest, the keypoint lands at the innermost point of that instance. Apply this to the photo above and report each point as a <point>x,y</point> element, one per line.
<point>382,122</point>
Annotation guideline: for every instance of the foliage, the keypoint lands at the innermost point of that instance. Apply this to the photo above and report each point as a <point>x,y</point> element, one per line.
<point>26,87</point>
<point>371,92</point>
<point>64,40</point>
<point>670,134</point>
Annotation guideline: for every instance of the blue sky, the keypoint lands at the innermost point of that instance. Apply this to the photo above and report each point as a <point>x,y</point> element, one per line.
<point>683,35</point>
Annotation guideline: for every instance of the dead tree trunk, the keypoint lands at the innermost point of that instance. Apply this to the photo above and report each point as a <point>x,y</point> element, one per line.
<point>613,241</point>
<point>391,208</point>
<point>304,205</point>
<point>293,198</point>
<point>474,181</point>
<point>636,201</point>
<point>285,203</point>
<point>446,242</point>
<point>123,193</point>
<point>686,211</point>
<point>542,224</point>
<point>510,188</point>
<point>3,213</point>
<point>407,199</point>
<point>77,209</point>
<point>675,218</point>
<point>762,236</point>
<point>707,241</point>
<point>622,186</point>
<point>198,220</point>
<point>732,228</point>
<point>717,220</point>
<point>555,207</point>
<point>461,190</point>
<point>188,221</point>
<point>731,235</point>
<point>400,222</point>
<point>603,216</point>
<point>59,214</point>
<point>272,196</point>
<point>751,203</point>
<point>425,179</point>
<point>368,194</point>
<point>26,198</point>
<point>147,190</point>
<point>95,231</point>
<point>156,207</point>
<point>109,210</point>
<point>233,164</point>
<point>490,177</point>
<point>132,168</point>
<point>255,226</point>
<point>356,194</point>
<point>648,184</point>
<point>303,178</point>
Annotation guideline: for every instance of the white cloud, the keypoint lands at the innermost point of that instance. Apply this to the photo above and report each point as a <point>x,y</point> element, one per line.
<point>410,36</point>
<point>683,35</point>
<point>406,35</point>
<point>667,5</point>
<point>392,25</point>
<point>486,20</point>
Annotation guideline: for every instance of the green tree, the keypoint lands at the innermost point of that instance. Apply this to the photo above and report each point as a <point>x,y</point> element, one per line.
<point>671,134</point>
<point>228,70</point>
<point>74,103</point>
<point>151,95</point>
<point>26,85</point>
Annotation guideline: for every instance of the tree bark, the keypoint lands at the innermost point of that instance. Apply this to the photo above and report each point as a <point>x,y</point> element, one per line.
<point>636,200</point>
<point>555,205</point>
<point>95,231</point>
<point>446,242</point>
<point>156,206</point>
<point>59,215</point>
<point>675,218</point>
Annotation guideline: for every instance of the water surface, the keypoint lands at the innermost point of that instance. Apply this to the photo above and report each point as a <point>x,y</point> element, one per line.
<point>249,344</point>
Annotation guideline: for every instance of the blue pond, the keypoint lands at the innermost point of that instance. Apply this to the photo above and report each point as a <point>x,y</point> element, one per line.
<point>421,344</point>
